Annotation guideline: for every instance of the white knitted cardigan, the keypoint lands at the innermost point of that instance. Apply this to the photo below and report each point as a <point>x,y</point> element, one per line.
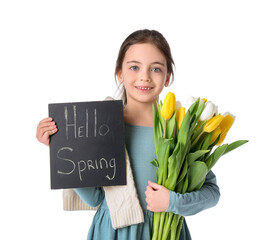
<point>122,201</point>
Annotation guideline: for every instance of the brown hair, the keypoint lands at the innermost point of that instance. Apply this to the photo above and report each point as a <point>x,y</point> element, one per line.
<point>145,36</point>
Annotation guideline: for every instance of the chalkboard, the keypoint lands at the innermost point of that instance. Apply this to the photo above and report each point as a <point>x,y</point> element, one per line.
<point>89,148</point>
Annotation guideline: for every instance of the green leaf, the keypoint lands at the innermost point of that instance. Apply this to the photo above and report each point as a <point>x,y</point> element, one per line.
<point>171,124</point>
<point>184,129</point>
<point>172,169</point>
<point>192,121</point>
<point>185,186</point>
<point>155,126</point>
<point>193,108</point>
<point>198,113</point>
<point>183,172</point>
<point>196,174</point>
<point>197,130</point>
<point>198,142</point>
<point>215,142</point>
<point>163,144</point>
<point>200,110</point>
<point>191,157</point>
<point>155,163</point>
<point>159,107</point>
<point>235,145</point>
<point>182,163</point>
<point>164,167</point>
<point>213,158</point>
<point>161,130</point>
<point>206,142</point>
<point>200,185</point>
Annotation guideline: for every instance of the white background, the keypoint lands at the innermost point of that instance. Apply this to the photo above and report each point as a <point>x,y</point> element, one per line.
<point>58,51</point>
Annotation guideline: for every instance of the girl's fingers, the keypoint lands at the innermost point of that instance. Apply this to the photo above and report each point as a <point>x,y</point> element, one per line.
<point>44,138</point>
<point>46,124</point>
<point>49,132</point>
<point>42,130</point>
<point>49,119</point>
<point>46,128</point>
<point>154,186</point>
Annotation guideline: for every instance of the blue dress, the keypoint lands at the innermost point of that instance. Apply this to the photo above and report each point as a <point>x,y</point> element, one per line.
<point>141,149</point>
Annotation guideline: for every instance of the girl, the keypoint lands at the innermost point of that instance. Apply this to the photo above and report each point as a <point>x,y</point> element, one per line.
<point>144,67</point>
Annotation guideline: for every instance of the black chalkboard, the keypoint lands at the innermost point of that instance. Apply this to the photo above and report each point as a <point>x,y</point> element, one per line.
<point>89,148</point>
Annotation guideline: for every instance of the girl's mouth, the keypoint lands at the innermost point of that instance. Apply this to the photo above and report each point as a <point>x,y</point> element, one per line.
<point>143,88</point>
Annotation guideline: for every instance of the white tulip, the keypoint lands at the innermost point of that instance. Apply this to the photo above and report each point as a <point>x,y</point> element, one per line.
<point>191,100</point>
<point>178,105</point>
<point>209,110</point>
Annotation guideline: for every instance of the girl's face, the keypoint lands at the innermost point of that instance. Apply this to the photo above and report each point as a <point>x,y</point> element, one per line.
<point>144,73</point>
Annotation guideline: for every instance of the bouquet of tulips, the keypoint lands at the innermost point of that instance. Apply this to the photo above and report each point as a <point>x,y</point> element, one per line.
<point>188,144</point>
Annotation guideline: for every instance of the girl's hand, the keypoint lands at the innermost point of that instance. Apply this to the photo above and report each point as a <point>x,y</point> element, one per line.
<point>45,129</point>
<point>157,197</point>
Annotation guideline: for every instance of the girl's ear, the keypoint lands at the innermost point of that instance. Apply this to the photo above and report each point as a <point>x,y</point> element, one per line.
<point>119,77</point>
<point>167,80</point>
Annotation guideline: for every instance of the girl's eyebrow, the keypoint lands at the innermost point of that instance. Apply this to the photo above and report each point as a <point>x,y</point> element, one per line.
<point>159,63</point>
<point>133,61</point>
<point>137,62</point>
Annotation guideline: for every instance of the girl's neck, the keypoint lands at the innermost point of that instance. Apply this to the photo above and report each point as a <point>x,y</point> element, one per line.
<point>139,114</point>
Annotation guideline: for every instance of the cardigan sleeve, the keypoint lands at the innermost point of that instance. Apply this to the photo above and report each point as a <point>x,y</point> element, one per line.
<point>194,202</point>
<point>91,196</point>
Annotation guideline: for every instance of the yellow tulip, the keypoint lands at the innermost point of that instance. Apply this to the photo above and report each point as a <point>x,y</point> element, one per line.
<point>180,116</point>
<point>168,107</point>
<point>225,126</point>
<point>215,135</point>
<point>213,123</point>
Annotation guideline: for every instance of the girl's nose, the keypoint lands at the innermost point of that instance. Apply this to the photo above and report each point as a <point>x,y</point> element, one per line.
<point>145,76</point>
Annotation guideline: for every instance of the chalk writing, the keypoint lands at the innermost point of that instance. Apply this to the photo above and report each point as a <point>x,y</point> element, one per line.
<point>78,131</point>
<point>88,165</point>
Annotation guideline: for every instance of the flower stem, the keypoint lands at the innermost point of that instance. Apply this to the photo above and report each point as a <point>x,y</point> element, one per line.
<point>161,225</point>
<point>156,226</point>
<point>179,227</point>
<point>174,225</point>
<point>195,141</point>
<point>165,122</point>
<point>167,225</point>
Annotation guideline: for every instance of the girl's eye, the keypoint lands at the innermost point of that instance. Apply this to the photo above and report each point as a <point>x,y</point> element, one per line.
<point>156,69</point>
<point>134,68</point>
